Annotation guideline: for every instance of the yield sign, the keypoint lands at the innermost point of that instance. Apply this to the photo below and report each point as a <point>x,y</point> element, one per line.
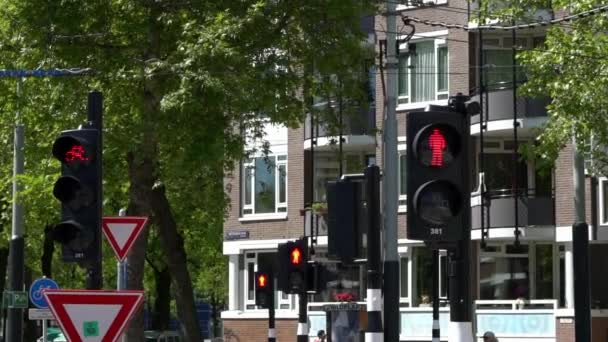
<point>121,232</point>
<point>93,315</point>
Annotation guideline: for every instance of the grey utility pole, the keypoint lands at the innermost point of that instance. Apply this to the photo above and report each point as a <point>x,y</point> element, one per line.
<point>14,331</point>
<point>580,247</point>
<point>391,197</point>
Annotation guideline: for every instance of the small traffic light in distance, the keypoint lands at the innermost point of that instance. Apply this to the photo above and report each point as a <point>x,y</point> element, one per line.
<point>293,266</point>
<point>263,289</point>
<point>79,191</point>
<point>343,199</point>
<point>438,196</point>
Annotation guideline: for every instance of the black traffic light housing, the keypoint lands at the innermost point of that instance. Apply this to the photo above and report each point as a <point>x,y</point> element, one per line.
<point>293,266</point>
<point>79,191</point>
<point>438,191</point>
<point>344,220</point>
<point>263,289</point>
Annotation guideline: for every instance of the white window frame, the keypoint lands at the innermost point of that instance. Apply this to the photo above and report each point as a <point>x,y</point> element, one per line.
<point>249,304</point>
<point>278,205</point>
<point>402,150</point>
<point>601,200</point>
<point>407,5</point>
<point>439,40</point>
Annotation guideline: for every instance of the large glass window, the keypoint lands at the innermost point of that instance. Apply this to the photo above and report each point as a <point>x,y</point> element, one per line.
<point>423,72</point>
<point>544,271</point>
<point>499,171</point>
<point>505,275</point>
<point>265,185</point>
<point>424,276</point>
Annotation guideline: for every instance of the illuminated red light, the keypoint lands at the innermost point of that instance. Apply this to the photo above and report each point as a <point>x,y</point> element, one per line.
<point>262,281</point>
<point>296,256</point>
<point>437,143</point>
<point>76,153</point>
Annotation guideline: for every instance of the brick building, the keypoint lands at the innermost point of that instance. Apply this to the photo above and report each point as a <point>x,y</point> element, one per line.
<point>522,294</point>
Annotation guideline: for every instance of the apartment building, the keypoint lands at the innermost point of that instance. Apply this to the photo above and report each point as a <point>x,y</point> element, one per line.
<point>522,292</point>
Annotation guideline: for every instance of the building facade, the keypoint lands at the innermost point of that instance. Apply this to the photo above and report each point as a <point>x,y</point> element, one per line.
<point>522,293</point>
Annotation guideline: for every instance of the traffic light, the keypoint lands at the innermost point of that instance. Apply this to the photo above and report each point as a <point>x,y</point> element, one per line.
<point>438,192</point>
<point>79,191</point>
<point>293,266</point>
<point>263,289</point>
<point>343,220</point>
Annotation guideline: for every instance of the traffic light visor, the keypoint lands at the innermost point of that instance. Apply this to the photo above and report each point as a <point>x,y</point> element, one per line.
<point>72,151</point>
<point>437,145</point>
<point>437,202</point>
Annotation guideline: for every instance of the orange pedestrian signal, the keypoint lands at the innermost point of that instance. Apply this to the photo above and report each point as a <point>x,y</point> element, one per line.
<point>296,256</point>
<point>262,281</point>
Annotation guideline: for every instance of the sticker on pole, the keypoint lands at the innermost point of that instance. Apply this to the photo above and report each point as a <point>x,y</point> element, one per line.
<point>38,286</point>
<point>93,315</point>
<point>121,232</point>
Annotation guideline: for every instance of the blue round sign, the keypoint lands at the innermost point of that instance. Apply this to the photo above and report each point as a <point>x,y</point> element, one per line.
<point>36,289</point>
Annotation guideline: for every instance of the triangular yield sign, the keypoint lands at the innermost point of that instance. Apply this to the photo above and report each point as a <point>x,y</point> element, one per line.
<point>93,315</point>
<point>121,232</point>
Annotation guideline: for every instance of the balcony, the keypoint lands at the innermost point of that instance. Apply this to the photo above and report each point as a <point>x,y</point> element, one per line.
<point>531,112</point>
<point>534,210</point>
<point>358,131</point>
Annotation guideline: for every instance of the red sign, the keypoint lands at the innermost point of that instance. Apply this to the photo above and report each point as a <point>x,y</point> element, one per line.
<point>93,315</point>
<point>437,144</point>
<point>121,232</point>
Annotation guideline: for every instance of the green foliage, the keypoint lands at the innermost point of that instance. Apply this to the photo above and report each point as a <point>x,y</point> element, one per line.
<point>225,68</point>
<point>571,68</point>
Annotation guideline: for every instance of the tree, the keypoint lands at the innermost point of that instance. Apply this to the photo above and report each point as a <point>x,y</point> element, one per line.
<point>185,83</point>
<point>570,67</point>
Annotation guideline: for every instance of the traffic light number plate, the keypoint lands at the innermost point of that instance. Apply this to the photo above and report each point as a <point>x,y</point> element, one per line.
<point>436,231</point>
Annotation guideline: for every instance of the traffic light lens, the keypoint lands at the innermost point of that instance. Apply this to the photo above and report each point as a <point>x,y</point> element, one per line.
<point>437,145</point>
<point>437,202</point>
<point>296,256</point>
<point>70,150</point>
<point>262,281</point>
<point>76,153</point>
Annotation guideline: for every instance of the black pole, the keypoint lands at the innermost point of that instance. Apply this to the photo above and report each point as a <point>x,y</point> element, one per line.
<point>515,142</point>
<point>271,331</point>
<point>94,279</point>
<point>374,259</point>
<point>582,300</point>
<point>303,318</point>
<point>482,127</point>
<point>436,332</point>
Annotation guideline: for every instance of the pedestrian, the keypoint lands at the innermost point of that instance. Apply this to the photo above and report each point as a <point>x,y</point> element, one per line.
<point>320,336</point>
<point>488,336</point>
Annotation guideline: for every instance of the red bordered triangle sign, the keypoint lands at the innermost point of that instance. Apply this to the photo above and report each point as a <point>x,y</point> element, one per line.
<point>93,315</point>
<point>121,232</point>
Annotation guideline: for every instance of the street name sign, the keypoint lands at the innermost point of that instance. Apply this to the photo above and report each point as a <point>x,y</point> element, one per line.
<point>93,315</point>
<point>121,232</point>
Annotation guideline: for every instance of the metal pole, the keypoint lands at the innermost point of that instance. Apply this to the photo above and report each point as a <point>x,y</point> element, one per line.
<point>436,332</point>
<point>391,197</point>
<point>580,242</point>
<point>303,318</point>
<point>14,331</point>
<point>44,331</point>
<point>271,331</point>
<point>94,279</point>
<point>515,141</point>
<point>121,272</point>
<point>461,327</point>
<point>374,331</point>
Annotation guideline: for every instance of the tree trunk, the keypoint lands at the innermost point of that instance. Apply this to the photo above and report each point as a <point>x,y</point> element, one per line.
<point>173,246</point>
<point>46,260</point>
<point>162,302</point>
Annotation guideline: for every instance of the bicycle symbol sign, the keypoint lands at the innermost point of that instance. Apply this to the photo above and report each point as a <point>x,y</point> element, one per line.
<point>38,286</point>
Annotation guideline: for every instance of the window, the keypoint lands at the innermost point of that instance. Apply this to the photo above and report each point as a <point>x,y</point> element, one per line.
<point>544,271</point>
<point>327,168</point>
<point>402,179</point>
<point>263,261</point>
<point>424,276</point>
<point>499,171</point>
<point>265,185</point>
<point>504,274</point>
<point>603,201</point>
<point>498,56</point>
<point>404,281</point>
<point>423,72</point>
<point>344,282</point>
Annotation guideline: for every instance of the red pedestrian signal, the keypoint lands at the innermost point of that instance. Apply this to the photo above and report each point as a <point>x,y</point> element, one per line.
<point>437,145</point>
<point>296,256</point>
<point>262,281</point>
